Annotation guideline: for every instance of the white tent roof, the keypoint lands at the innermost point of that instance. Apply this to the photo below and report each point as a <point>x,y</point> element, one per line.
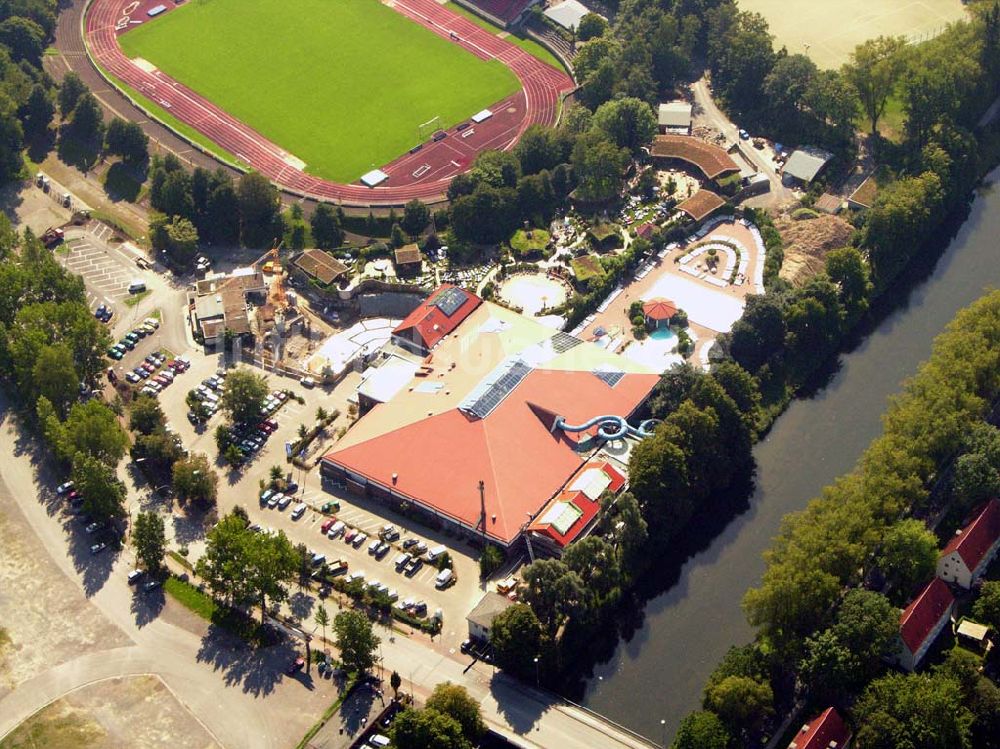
<point>567,13</point>
<point>374,177</point>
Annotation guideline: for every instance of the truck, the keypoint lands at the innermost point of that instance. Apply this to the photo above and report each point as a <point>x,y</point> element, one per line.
<point>52,236</point>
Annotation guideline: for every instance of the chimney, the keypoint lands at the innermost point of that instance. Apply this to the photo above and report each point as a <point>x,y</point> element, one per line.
<point>395,478</point>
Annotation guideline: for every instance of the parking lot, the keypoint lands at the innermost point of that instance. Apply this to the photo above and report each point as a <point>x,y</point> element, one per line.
<point>105,271</point>
<point>241,487</point>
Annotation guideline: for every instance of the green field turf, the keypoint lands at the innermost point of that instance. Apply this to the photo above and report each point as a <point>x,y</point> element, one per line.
<point>341,85</point>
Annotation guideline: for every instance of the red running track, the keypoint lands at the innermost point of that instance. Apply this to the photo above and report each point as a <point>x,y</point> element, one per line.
<point>537,103</point>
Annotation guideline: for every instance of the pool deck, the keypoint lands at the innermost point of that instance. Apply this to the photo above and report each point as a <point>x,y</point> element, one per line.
<point>616,315</point>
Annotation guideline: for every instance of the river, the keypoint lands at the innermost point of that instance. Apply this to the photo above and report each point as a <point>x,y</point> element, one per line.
<point>658,673</point>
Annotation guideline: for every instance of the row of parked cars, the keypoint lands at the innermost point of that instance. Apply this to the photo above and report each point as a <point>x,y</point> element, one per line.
<point>207,393</point>
<point>131,339</point>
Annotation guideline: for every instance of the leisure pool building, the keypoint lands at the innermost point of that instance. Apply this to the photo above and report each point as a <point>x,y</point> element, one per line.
<point>495,433</point>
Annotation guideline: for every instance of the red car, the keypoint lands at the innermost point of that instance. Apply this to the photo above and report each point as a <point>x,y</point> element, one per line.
<point>295,666</point>
<point>327,525</point>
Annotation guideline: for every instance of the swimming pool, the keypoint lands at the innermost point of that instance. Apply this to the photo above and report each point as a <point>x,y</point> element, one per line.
<point>656,351</point>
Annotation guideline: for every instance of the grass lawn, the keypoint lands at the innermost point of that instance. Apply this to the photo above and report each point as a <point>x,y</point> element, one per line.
<point>342,86</point>
<point>528,45</point>
<point>134,299</point>
<point>586,267</point>
<point>192,598</point>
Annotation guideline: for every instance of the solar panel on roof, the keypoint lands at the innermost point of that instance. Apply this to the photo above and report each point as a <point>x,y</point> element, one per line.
<point>449,300</point>
<point>563,342</point>
<point>612,378</point>
<point>494,388</point>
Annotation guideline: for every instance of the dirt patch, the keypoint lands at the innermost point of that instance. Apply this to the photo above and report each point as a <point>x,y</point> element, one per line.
<point>807,242</point>
<point>46,617</point>
<point>128,712</point>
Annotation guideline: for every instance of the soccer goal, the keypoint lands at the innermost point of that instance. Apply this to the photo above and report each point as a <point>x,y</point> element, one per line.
<point>426,129</point>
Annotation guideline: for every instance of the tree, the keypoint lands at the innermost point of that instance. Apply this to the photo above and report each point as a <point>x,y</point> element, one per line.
<point>591,26</point>
<point>55,376</point>
<point>86,124</point>
<point>127,139</point>
<point>629,123</point>
<point>874,71</point>
<point>419,729</point>
<point>222,214</point>
<point>233,456</point>
<point>146,416</point>
<point>23,38</point>
<point>195,480</point>
<point>177,237</point>
<point>149,540</point>
<point>541,148</point>
<point>975,480</point>
<point>848,270</point>
<point>987,606</point>
<point>395,681</point>
<point>321,414</point>
<point>326,230</point>
<point>552,590</point>
<point>70,91</point>
<point>416,216</point>
<point>489,561</point>
<point>454,700</point>
<point>39,111</point>
<point>11,144</point>
<point>356,641</point>
<point>103,494</point>
<point>786,87</point>
<point>516,637</point>
<point>701,730</point>
<point>93,429</point>
<point>323,619</point>
<point>488,215</point>
<point>159,450</point>
<point>599,166</point>
<point>916,710</point>
<point>243,395</point>
<point>909,555</point>
<point>740,702</point>
<point>258,204</point>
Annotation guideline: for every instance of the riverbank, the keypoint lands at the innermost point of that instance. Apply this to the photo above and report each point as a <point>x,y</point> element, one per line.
<point>686,627</point>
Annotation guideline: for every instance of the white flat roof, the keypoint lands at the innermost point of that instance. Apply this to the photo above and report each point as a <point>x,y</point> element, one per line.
<point>482,116</point>
<point>383,382</point>
<point>374,177</point>
<point>675,114</point>
<point>567,13</point>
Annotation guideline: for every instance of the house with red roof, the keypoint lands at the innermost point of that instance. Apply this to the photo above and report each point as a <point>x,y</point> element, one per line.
<point>436,317</point>
<point>922,621</point>
<point>497,429</point>
<point>573,511</point>
<point>826,731</point>
<point>970,551</point>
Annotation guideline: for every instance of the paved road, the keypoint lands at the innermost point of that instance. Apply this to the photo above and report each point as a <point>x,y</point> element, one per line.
<point>713,116</point>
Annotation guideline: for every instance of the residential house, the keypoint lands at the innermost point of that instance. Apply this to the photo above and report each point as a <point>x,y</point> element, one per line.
<point>481,618</point>
<point>826,731</point>
<point>970,551</point>
<point>922,621</point>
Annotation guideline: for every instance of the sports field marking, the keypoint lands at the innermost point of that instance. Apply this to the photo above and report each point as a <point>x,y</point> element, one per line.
<point>341,85</point>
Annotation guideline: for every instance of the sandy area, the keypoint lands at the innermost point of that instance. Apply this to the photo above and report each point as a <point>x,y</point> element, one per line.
<point>136,711</point>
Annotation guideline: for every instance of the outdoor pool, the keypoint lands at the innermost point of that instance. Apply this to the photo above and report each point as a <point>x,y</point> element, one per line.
<point>656,351</point>
<point>532,293</point>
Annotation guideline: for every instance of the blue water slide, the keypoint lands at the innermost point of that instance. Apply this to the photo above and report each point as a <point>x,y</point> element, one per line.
<point>611,427</point>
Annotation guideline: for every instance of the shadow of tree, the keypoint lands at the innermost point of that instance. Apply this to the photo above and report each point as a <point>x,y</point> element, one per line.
<point>83,156</point>
<point>257,671</point>
<point>146,605</point>
<point>519,706</point>
<point>301,605</point>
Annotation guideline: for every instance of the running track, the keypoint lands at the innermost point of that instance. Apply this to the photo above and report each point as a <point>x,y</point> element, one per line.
<point>541,85</point>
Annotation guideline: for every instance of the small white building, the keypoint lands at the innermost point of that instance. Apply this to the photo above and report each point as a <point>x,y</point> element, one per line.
<point>922,621</point>
<point>481,618</point>
<point>675,117</point>
<point>567,14</point>
<point>970,551</point>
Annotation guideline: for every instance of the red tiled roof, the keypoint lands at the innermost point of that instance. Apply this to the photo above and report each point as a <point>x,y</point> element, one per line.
<point>431,323</point>
<point>439,460</point>
<point>976,539</point>
<point>701,205</point>
<point>710,159</point>
<point>659,309</point>
<point>819,732</point>
<point>924,612</point>
<point>646,230</point>
<point>588,508</point>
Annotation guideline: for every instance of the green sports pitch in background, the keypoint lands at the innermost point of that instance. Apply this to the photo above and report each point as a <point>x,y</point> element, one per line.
<point>341,84</point>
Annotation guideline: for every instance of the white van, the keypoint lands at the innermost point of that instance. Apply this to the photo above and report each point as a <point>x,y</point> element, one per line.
<point>298,511</point>
<point>137,286</point>
<point>444,577</point>
<point>436,552</point>
<point>379,741</point>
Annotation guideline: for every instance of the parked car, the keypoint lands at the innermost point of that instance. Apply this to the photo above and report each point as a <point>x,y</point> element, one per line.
<point>152,584</point>
<point>327,525</point>
<point>284,502</point>
<point>64,487</point>
<point>383,549</point>
<point>401,561</point>
<point>444,578</point>
<point>336,529</point>
<point>359,540</point>
<point>349,535</point>
<point>413,567</point>
<point>273,500</point>
<point>133,576</point>
<point>298,511</point>
<point>98,548</point>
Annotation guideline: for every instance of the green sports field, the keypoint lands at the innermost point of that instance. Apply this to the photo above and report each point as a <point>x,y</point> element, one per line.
<point>340,84</point>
